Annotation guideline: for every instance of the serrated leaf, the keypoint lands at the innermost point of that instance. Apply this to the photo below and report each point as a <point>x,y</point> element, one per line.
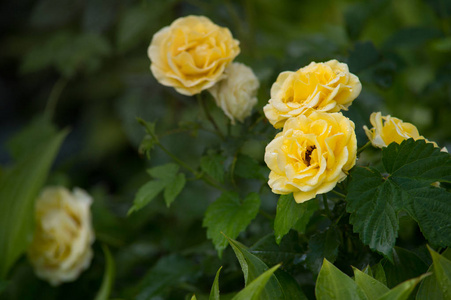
<point>442,268</point>
<point>374,201</point>
<point>108,277</point>
<point>174,188</point>
<point>165,172</point>
<point>430,287</point>
<point>214,293</point>
<point>289,213</point>
<point>146,194</point>
<point>405,265</point>
<point>372,288</point>
<point>213,165</point>
<point>247,167</point>
<point>322,245</point>
<point>228,215</point>
<point>254,289</point>
<point>19,187</point>
<point>334,284</point>
<point>403,290</point>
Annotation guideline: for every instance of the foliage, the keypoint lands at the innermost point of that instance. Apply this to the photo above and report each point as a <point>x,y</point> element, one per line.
<point>177,195</point>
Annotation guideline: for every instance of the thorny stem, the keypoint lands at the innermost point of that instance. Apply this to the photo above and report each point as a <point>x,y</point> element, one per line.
<point>209,117</point>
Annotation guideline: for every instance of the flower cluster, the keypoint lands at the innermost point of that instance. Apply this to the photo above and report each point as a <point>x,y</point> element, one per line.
<point>194,54</point>
<point>317,146</point>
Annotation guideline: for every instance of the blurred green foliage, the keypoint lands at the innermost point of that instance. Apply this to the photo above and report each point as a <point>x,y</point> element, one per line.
<point>84,63</point>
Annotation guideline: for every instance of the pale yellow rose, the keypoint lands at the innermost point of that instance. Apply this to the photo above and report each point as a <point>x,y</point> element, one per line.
<point>61,246</point>
<point>191,54</point>
<point>387,130</point>
<point>236,94</point>
<point>311,155</point>
<point>327,87</point>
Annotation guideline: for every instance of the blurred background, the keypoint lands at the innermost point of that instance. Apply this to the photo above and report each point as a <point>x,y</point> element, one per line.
<point>84,64</point>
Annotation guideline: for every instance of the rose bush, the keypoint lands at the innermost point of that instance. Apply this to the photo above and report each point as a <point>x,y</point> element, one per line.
<point>236,95</point>
<point>191,54</point>
<point>387,130</point>
<point>327,87</point>
<point>311,155</point>
<point>61,246</point>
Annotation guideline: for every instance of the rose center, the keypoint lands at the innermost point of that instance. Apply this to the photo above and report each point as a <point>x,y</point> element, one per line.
<point>308,153</point>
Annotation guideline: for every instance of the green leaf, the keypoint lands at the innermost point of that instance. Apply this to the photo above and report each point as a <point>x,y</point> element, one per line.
<point>165,172</point>
<point>379,273</point>
<point>289,213</point>
<point>108,277</point>
<point>334,284</point>
<point>174,188</point>
<point>289,286</point>
<point>3,286</point>
<point>405,265</point>
<point>374,201</point>
<point>255,288</point>
<point>230,216</point>
<point>23,143</point>
<point>193,297</point>
<point>146,194</point>
<point>214,293</point>
<point>168,272</point>
<point>213,165</point>
<point>403,290</point>
<point>442,268</point>
<point>252,268</point>
<point>372,288</point>
<point>19,187</point>
<point>322,245</point>
<point>430,287</point>
<point>247,167</point>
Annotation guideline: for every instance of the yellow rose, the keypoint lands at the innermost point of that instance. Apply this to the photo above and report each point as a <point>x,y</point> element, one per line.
<point>236,94</point>
<point>327,87</point>
<point>61,246</point>
<point>387,130</point>
<point>191,54</point>
<point>311,155</point>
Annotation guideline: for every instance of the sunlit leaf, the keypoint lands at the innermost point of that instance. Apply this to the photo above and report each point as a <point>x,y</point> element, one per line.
<point>372,288</point>
<point>255,288</point>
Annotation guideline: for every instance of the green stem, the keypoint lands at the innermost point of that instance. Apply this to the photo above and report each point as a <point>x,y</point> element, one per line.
<point>363,148</point>
<point>55,94</point>
<point>339,194</point>
<point>326,205</point>
<point>209,117</point>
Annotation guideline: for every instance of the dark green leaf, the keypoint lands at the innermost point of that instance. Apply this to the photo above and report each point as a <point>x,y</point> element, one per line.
<point>247,167</point>
<point>252,268</point>
<point>379,273</point>
<point>372,288</point>
<point>174,188</point>
<point>334,284</point>
<point>108,277</point>
<point>290,287</point>
<point>363,56</point>
<point>442,268</point>
<point>403,290</point>
<point>322,245</point>
<point>146,194</point>
<point>374,201</point>
<point>228,215</point>
<point>19,187</point>
<point>168,272</point>
<point>289,213</point>
<point>405,265</point>
<point>430,287</point>
<point>213,165</point>
<point>214,293</point>
<point>255,288</point>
